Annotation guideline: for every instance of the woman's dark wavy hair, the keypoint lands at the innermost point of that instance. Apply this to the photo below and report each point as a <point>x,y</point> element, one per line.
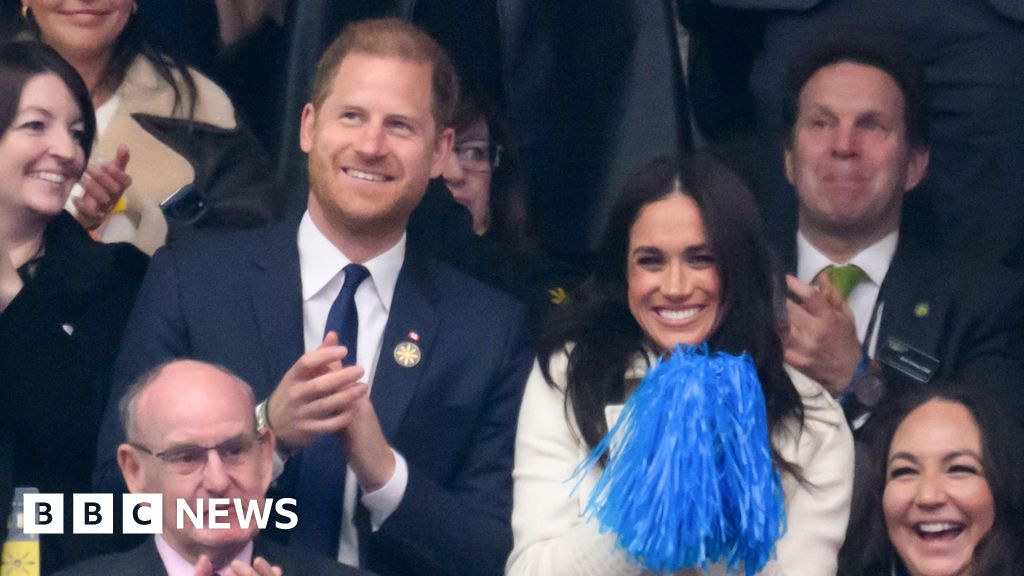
<point>136,40</point>
<point>868,550</point>
<point>510,222</point>
<point>20,61</point>
<point>604,336</point>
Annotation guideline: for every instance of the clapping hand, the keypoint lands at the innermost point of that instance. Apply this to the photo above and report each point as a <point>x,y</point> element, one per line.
<point>820,338</point>
<point>317,396</point>
<point>103,183</point>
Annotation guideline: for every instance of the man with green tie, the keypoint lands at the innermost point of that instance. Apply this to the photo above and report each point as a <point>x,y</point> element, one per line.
<point>873,306</point>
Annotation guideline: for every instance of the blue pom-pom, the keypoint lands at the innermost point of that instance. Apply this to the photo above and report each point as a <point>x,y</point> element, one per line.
<point>689,479</point>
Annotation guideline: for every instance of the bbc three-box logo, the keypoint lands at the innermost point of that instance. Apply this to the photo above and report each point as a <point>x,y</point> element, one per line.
<point>143,513</point>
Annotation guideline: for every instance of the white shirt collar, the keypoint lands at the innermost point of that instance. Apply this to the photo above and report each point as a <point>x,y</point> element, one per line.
<point>177,565</point>
<point>873,260</point>
<point>320,262</point>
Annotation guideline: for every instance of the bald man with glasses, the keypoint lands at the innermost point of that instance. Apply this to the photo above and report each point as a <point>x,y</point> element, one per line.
<point>190,433</point>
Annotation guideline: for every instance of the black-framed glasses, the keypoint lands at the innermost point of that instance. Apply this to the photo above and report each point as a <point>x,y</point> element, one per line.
<point>187,459</point>
<point>478,155</point>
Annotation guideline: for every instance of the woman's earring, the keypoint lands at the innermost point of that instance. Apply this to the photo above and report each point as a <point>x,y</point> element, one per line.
<point>24,11</point>
<point>135,7</point>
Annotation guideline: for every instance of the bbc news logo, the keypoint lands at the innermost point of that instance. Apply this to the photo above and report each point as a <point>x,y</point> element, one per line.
<point>143,513</point>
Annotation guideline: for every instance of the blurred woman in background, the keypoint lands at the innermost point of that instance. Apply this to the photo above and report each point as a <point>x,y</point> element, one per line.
<point>484,175</point>
<point>193,166</point>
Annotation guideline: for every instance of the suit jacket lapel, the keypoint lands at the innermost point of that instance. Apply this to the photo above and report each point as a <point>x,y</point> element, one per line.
<point>143,559</point>
<point>276,286</point>
<point>914,311</point>
<point>277,555</point>
<point>411,320</point>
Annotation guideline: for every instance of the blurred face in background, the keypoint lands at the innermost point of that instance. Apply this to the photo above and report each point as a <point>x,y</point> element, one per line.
<point>468,172</point>
<point>80,29</point>
<point>41,154</point>
<point>937,500</point>
<point>674,290</point>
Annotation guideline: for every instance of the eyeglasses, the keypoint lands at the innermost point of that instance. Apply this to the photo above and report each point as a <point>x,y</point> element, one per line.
<point>187,459</point>
<point>478,155</point>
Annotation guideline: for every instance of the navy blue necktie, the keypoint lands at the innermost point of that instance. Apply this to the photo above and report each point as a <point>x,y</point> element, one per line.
<point>322,470</point>
<point>343,317</point>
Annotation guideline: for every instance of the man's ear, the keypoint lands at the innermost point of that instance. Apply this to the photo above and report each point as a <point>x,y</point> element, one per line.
<point>442,148</point>
<point>917,167</point>
<point>789,165</point>
<point>131,468</point>
<point>307,126</point>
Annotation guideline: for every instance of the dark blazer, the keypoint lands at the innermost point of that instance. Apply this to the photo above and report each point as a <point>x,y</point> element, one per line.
<point>145,560</point>
<point>236,301</point>
<point>58,340</point>
<point>965,313</point>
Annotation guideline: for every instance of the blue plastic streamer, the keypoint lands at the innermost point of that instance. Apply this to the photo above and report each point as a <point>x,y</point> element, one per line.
<point>689,480</point>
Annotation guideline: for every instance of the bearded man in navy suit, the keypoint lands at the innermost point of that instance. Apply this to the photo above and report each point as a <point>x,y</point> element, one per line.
<point>428,454</point>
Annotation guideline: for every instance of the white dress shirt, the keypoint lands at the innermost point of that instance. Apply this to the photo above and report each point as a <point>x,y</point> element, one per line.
<point>177,565</point>
<point>320,265</point>
<point>873,260</point>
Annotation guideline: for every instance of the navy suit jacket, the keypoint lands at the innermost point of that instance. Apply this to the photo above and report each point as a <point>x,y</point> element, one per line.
<point>145,560</point>
<point>236,301</point>
<point>965,313</point>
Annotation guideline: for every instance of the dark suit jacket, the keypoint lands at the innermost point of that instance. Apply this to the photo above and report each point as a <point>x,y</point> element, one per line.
<point>967,314</point>
<point>144,560</point>
<point>237,301</point>
<point>58,340</point>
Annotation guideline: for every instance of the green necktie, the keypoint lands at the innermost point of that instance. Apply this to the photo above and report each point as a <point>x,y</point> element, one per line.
<point>845,277</point>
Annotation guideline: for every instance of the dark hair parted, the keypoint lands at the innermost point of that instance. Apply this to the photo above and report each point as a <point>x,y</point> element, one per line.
<point>392,38</point>
<point>133,41</point>
<point>877,50</point>
<point>21,61</point>
<point>868,550</point>
<point>509,214</point>
<point>600,334</point>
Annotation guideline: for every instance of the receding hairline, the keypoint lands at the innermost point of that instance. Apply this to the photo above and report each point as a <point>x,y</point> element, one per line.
<point>322,91</point>
<point>129,404</point>
<point>392,38</point>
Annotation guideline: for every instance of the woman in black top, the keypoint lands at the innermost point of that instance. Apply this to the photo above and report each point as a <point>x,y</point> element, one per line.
<point>64,298</point>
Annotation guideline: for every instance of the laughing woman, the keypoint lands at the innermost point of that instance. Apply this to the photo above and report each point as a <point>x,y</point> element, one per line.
<point>944,491</point>
<point>64,298</point>
<point>682,262</point>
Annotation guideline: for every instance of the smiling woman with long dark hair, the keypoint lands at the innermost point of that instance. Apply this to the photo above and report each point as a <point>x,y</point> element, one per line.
<point>682,262</point>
